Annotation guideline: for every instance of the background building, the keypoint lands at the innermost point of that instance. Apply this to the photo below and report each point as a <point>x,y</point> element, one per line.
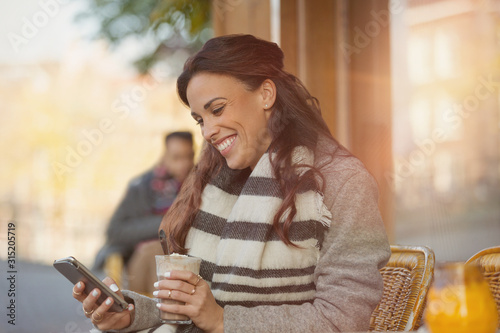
<point>446,125</point>
<point>411,87</point>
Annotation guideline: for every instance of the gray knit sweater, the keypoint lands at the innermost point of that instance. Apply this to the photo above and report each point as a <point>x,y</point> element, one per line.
<point>347,278</point>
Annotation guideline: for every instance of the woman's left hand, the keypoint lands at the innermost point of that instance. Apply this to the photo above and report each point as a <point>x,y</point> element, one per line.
<point>201,307</point>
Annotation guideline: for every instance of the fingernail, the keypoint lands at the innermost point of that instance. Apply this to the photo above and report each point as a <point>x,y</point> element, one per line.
<point>114,287</point>
<point>95,293</point>
<point>108,301</point>
<point>155,293</point>
<point>130,307</point>
<point>79,285</point>
<point>158,305</point>
<point>167,275</point>
<point>156,284</point>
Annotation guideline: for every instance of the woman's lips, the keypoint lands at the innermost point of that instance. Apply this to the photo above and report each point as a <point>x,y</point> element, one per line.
<point>225,145</point>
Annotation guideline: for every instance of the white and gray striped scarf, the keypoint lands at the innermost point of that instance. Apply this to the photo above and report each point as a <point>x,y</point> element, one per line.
<point>244,260</point>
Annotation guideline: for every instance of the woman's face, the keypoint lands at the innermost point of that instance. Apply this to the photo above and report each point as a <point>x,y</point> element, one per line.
<point>232,118</point>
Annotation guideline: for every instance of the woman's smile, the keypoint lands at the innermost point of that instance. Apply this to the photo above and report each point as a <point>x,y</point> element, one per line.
<point>225,144</point>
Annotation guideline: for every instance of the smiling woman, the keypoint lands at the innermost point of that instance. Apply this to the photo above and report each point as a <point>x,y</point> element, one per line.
<point>284,218</point>
<point>235,124</point>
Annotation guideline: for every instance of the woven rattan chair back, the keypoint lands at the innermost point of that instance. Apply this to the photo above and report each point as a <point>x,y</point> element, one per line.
<point>407,278</point>
<point>489,262</point>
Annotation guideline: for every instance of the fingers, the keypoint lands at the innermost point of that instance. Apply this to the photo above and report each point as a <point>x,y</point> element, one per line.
<point>177,295</point>
<point>104,320</point>
<point>177,283</point>
<point>100,315</point>
<point>182,291</point>
<point>194,299</point>
<point>89,303</point>
<point>100,312</point>
<point>112,285</point>
<point>167,287</point>
<point>187,276</point>
<point>79,291</point>
<point>198,279</point>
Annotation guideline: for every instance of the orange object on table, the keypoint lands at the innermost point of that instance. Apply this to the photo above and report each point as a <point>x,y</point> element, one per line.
<point>460,301</point>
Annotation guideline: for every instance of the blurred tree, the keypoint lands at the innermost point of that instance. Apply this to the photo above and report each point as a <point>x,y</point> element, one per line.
<point>164,26</point>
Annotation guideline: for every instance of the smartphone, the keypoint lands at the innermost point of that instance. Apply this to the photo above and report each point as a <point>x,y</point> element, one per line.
<point>75,271</point>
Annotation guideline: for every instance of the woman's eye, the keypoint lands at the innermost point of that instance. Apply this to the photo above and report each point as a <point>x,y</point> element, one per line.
<point>199,121</point>
<point>218,109</point>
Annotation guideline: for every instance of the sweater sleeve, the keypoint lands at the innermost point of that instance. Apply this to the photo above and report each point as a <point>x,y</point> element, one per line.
<point>347,278</point>
<point>146,313</point>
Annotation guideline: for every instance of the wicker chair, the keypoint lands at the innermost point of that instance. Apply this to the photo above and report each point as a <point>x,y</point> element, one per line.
<point>489,262</point>
<point>407,278</point>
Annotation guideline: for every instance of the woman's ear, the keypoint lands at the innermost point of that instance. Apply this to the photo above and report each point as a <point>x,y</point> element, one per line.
<point>268,90</point>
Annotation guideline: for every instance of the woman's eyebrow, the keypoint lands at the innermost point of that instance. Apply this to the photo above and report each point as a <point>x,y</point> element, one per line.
<point>206,106</point>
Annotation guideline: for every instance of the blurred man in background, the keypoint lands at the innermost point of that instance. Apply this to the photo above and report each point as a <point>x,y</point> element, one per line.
<point>132,234</point>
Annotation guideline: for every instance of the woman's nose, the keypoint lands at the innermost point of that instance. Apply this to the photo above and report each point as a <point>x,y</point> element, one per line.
<point>210,130</point>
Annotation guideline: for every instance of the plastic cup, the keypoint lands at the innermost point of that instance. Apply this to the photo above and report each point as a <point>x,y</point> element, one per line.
<point>167,263</point>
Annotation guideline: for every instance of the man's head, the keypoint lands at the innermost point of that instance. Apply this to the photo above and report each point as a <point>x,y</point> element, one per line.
<point>179,154</point>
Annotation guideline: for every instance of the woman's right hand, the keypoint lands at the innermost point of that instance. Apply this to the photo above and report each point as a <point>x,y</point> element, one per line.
<point>101,318</point>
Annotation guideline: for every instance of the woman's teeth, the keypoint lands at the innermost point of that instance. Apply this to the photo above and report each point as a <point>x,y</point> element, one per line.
<point>226,143</point>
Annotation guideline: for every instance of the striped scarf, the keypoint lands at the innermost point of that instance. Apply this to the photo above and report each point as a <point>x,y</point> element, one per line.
<point>244,260</point>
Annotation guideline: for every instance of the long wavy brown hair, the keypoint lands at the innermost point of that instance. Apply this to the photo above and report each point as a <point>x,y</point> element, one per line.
<point>295,121</point>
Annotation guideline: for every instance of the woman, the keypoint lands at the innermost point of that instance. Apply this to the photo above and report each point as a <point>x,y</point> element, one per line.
<point>285,219</point>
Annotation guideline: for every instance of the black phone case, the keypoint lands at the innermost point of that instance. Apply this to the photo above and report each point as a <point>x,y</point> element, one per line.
<point>75,271</point>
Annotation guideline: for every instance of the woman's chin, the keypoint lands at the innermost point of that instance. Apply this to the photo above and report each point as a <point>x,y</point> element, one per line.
<point>235,164</point>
